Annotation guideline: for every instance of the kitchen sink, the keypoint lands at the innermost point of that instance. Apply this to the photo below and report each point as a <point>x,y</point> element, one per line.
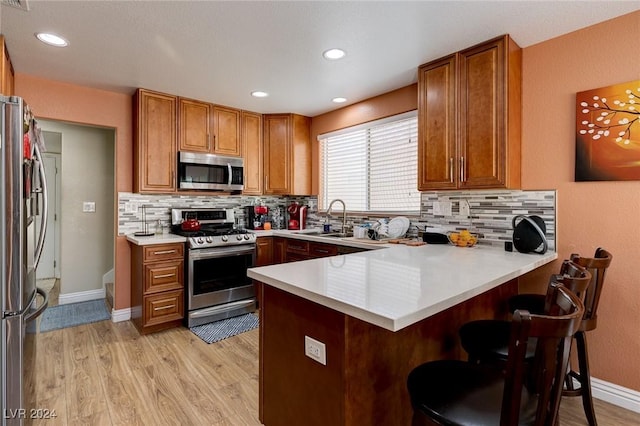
<point>334,235</point>
<point>322,234</point>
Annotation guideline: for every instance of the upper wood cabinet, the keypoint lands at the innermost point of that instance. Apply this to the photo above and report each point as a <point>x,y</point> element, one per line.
<point>469,118</point>
<point>195,126</point>
<point>226,131</point>
<point>154,124</point>
<point>287,154</point>
<point>6,71</point>
<point>251,124</point>
<point>209,128</point>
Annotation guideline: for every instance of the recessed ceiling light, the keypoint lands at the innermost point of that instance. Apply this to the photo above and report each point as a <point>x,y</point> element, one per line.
<point>52,39</point>
<point>259,94</point>
<point>339,100</point>
<point>334,53</point>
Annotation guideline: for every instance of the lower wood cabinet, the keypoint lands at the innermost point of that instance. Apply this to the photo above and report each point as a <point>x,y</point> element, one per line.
<point>303,250</point>
<point>264,251</point>
<point>157,286</point>
<point>279,250</point>
<point>275,250</point>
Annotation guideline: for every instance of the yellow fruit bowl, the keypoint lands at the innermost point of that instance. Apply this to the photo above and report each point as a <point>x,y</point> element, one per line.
<point>462,239</point>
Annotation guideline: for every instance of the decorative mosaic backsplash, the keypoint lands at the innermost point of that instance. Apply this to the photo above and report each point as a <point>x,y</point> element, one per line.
<point>158,207</point>
<point>491,212</point>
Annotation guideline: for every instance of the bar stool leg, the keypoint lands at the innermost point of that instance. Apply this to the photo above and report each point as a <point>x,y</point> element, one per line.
<point>585,378</point>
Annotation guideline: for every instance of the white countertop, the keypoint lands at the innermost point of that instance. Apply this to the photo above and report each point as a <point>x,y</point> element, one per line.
<point>156,239</point>
<point>399,285</point>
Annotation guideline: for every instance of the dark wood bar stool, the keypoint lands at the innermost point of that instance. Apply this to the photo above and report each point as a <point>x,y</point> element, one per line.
<point>494,349</point>
<point>451,392</point>
<point>488,340</point>
<point>597,265</point>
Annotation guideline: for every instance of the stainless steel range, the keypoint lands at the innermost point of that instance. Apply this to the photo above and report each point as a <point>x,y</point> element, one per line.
<point>217,260</point>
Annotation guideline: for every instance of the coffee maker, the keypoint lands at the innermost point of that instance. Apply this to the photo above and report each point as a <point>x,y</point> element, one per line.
<point>256,216</point>
<point>297,216</point>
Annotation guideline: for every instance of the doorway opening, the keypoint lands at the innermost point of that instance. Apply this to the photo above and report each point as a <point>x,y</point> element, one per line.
<point>79,247</point>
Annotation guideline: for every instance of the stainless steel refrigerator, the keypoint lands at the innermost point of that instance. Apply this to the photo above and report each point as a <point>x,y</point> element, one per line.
<point>23,206</point>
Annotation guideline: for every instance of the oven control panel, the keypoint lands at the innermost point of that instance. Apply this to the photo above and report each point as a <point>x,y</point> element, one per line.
<point>221,240</point>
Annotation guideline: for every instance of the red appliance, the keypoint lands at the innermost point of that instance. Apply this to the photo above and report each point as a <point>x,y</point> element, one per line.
<point>297,216</point>
<point>190,224</point>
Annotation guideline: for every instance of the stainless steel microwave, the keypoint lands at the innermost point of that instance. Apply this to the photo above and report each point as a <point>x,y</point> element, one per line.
<point>210,172</point>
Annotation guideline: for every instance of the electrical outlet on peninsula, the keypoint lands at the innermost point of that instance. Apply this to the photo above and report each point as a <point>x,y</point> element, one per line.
<point>315,350</point>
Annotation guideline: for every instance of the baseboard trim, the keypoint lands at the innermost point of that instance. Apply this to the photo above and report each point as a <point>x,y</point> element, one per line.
<point>81,296</point>
<point>120,315</point>
<point>615,394</point>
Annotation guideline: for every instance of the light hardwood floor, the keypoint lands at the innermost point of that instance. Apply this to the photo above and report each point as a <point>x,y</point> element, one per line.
<point>107,374</point>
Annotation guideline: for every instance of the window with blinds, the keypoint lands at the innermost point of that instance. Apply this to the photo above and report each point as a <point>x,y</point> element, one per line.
<point>372,167</point>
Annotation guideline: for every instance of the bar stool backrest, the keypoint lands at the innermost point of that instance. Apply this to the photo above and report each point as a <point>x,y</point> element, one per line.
<point>597,265</point>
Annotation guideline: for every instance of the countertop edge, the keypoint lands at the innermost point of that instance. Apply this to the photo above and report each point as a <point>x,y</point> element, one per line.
<point>155,239</point>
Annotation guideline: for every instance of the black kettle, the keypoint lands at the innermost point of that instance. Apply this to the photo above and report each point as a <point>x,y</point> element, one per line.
<point>529,234</point>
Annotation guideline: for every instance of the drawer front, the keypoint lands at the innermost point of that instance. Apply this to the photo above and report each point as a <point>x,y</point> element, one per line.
<point>322,250</point>
<point>159,252</point>
<point>296,246</point>
<point>293,257</point>
<point>163,307</point>
<point>163,276</point>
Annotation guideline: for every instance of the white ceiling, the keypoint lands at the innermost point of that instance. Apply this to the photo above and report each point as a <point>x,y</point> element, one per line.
<point>221,51</point>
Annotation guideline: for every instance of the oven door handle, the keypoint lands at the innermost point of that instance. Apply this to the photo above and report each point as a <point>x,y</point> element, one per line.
<point>199,254</point>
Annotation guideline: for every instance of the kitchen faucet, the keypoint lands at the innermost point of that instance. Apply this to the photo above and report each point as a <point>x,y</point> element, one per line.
<point>344,214</point>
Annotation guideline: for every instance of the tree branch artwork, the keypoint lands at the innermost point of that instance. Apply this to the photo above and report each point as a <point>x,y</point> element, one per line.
<point>608,133</point>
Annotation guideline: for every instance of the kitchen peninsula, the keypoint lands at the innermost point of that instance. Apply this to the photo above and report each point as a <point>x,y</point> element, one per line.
<point>379,314</point>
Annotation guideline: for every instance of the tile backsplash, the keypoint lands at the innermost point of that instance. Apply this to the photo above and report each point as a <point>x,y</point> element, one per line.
<point>490,211</point>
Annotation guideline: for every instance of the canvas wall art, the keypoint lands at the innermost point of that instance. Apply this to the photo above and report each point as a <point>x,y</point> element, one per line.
<point>608,133</point>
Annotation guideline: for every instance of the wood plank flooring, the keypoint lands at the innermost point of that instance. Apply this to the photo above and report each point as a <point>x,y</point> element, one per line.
<point>107,374</point>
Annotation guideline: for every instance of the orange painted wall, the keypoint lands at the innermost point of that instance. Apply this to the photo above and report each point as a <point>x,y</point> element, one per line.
<point>66,102</point>
<point>590,214</point>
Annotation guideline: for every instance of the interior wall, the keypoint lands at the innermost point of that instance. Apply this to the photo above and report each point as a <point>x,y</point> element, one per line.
<point>87,170</point>
<point>67,102</point>
<point>590,214</point>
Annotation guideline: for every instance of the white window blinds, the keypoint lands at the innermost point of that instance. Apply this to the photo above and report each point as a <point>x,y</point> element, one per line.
<point>372,167</point>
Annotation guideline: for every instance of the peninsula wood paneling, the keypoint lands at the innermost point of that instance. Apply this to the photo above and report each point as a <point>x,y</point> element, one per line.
<point>364,380</point>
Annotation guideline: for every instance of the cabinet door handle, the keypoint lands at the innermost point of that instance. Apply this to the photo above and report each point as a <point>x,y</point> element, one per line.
<point>451,169</point>
<point>164,251</point>
<point>164,276</point>
<point>321,251</point>
<point>208,142</point>
<point>266,183</point>
<point>462,169</point>
<point>164,307</point>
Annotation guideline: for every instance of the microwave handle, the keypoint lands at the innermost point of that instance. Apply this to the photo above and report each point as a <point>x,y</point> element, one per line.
<point>230,174</point>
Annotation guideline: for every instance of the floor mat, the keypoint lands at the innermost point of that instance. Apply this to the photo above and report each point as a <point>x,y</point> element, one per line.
<point>72,314</point>
<point>220,330</point>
